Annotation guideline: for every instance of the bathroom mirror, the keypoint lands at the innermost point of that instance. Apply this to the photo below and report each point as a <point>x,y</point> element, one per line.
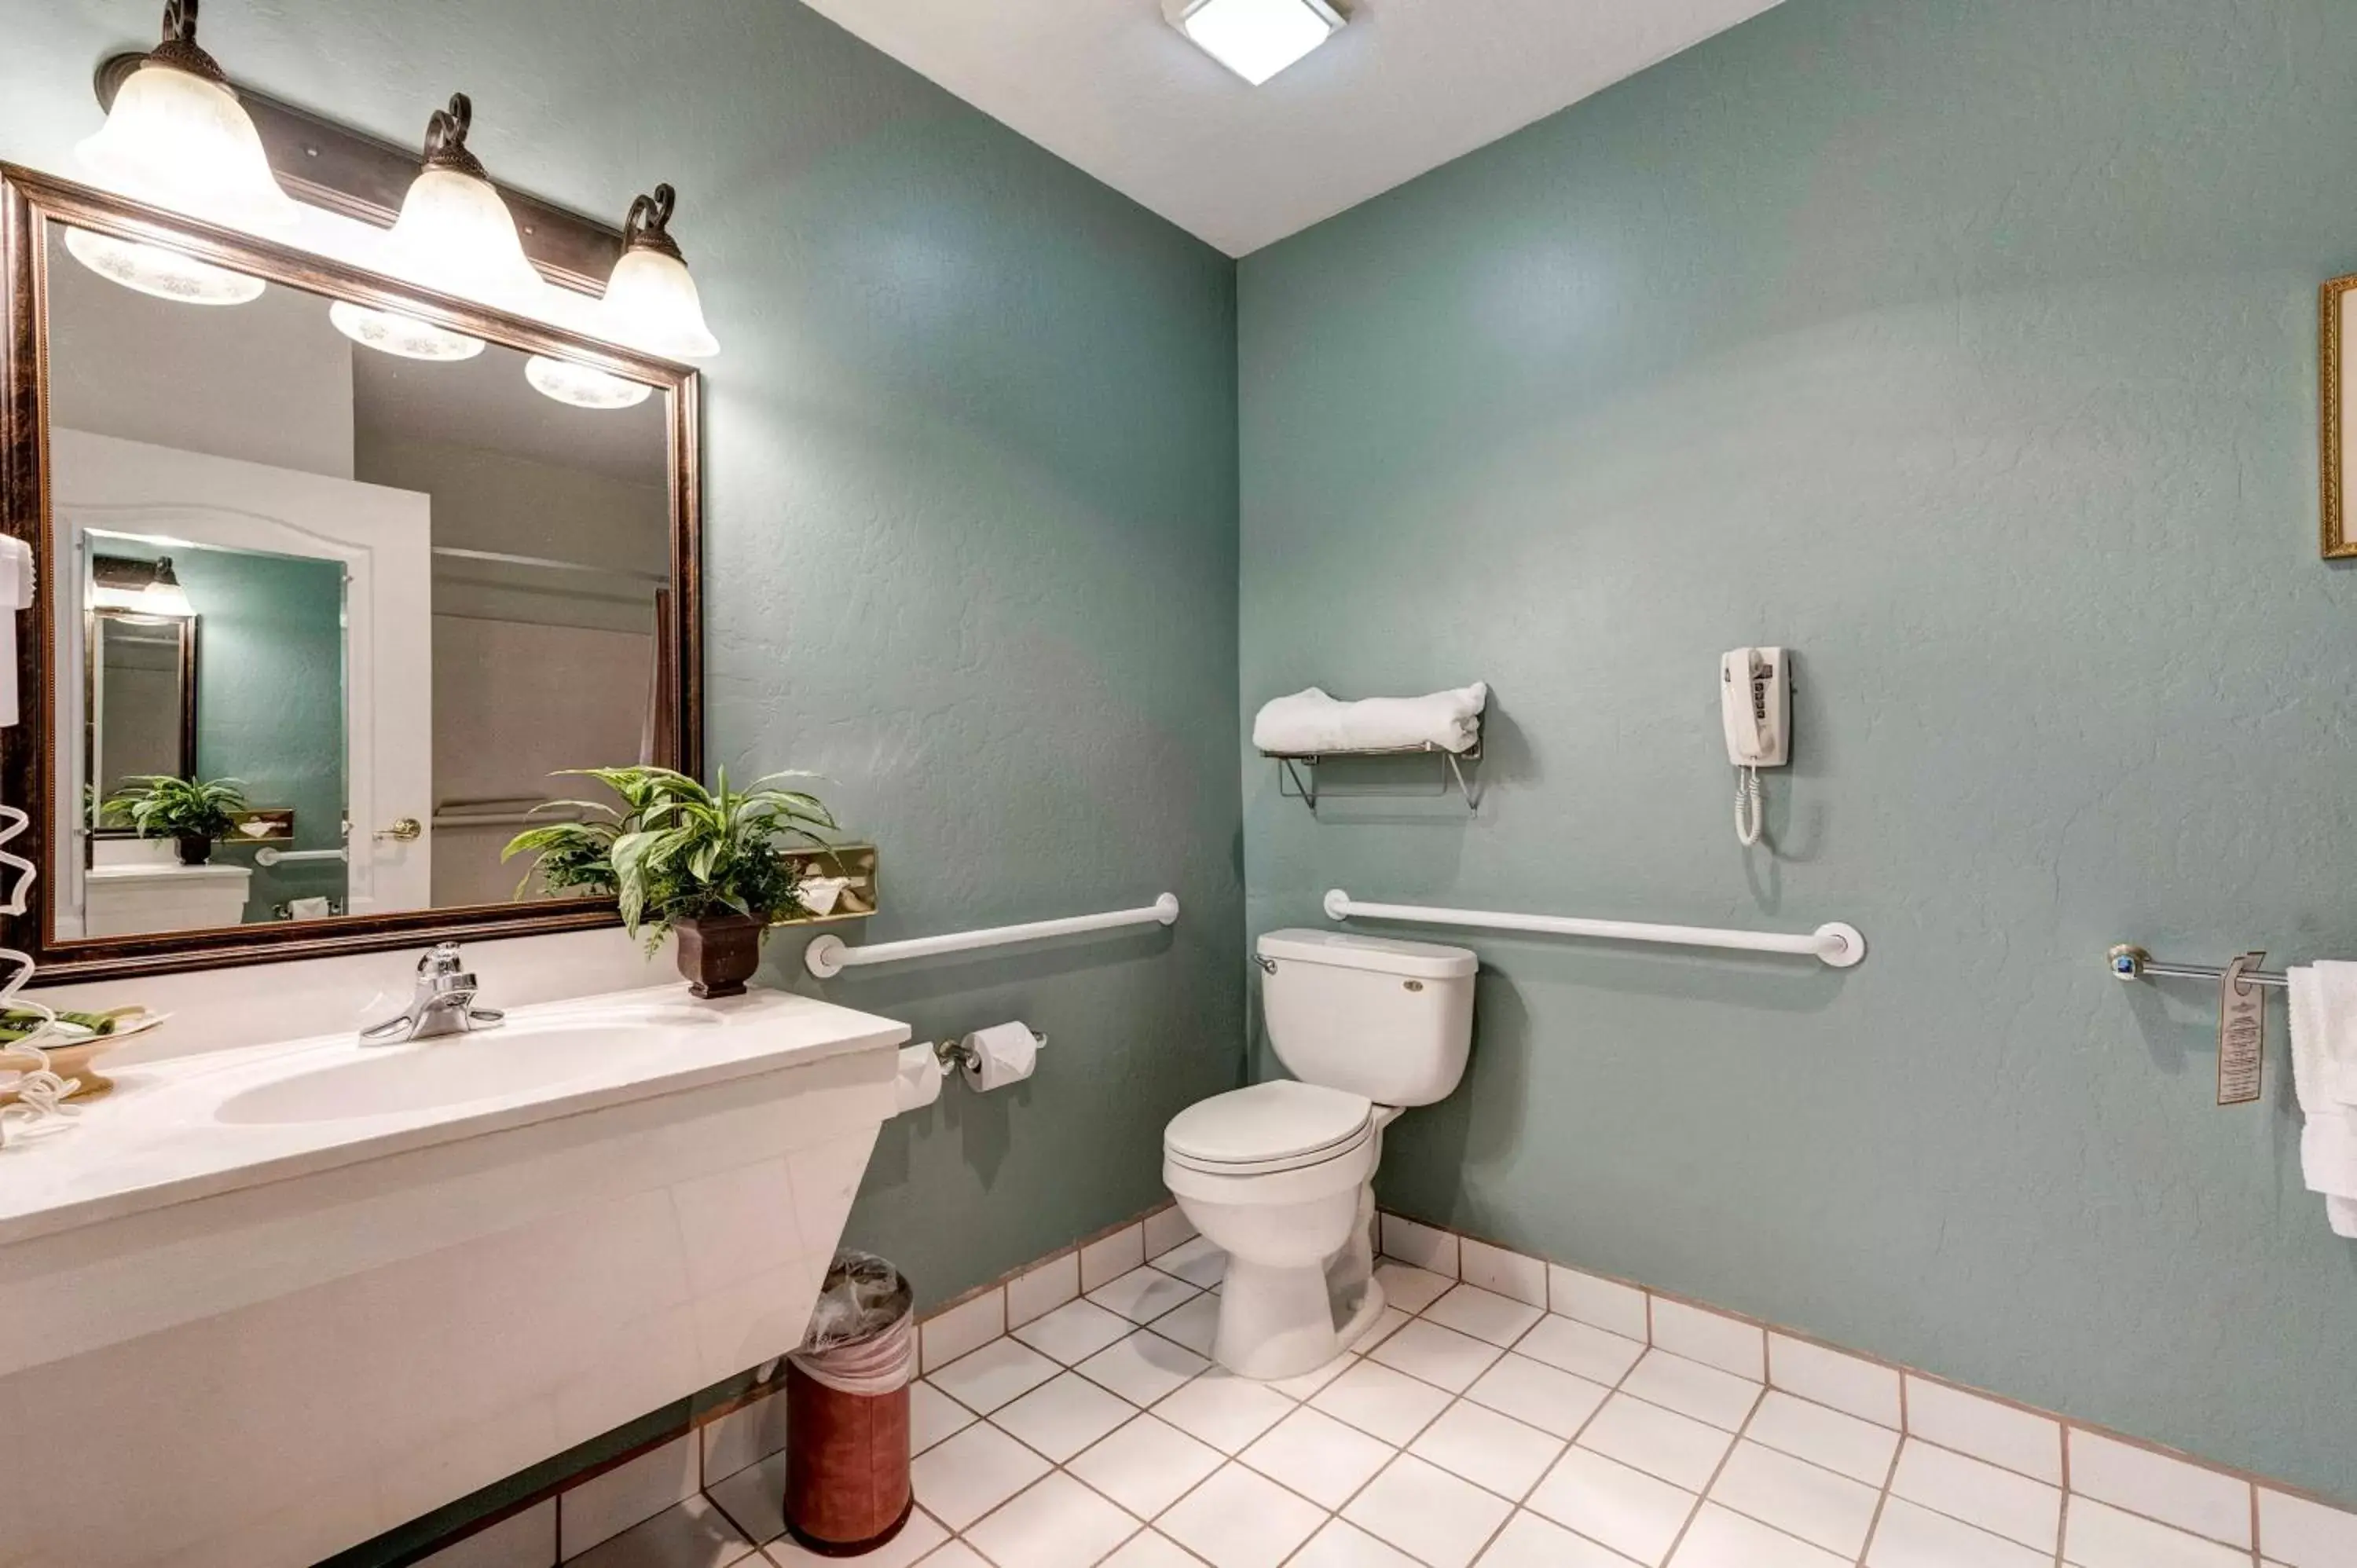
<point>141,703</point>
<point>2338,329</point>
<point>345,572</point>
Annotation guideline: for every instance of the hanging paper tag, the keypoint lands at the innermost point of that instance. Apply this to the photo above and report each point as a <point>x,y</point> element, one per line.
<point>2242,1032</point>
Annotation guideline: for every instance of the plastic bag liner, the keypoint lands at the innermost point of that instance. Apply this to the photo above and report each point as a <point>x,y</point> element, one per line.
<point>863,1332</point>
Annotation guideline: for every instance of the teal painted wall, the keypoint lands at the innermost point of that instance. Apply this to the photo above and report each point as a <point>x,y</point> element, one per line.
<point>270,702</point>
<point>970,457</point>
<point>1970,351</point>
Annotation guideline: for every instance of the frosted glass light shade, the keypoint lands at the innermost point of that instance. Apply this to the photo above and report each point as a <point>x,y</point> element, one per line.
<point>176,140</point>
<point>1254,39</point>
<point>391,332</point>
<point>651,303</point>
<point>167,274</point>
<point>583,386</point>
<point>457,236</point>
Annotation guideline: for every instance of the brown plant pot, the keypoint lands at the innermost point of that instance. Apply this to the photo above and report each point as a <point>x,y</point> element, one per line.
<point>718,953</point>
<point>195,849</point>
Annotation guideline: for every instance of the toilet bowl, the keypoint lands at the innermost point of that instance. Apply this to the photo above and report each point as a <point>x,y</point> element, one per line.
<point>1280,1213</point>
<point>1280,1176</point>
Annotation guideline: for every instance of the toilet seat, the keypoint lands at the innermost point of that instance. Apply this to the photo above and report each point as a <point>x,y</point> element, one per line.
<point>1282,1125</point>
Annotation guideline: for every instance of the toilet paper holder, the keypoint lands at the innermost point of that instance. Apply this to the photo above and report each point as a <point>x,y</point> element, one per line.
<point>956,1055</point>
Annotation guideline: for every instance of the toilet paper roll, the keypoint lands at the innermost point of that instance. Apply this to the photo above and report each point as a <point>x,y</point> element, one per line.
<point>919,1080</point>
<point>998,1056</point>
<point>308,910</point>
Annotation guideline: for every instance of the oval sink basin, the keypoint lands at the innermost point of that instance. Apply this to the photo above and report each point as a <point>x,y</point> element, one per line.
<point>458,1069</point>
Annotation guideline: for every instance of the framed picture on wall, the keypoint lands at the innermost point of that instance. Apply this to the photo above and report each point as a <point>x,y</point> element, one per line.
<point>2337,301</point>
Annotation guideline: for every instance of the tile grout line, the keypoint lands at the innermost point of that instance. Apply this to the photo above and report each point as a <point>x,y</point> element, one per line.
<point>1889,1478</point>
<point>1701,1496</point>
<point>2063,1518</point>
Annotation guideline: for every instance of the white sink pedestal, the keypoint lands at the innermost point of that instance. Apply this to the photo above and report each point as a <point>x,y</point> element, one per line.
<point>245,1335</point>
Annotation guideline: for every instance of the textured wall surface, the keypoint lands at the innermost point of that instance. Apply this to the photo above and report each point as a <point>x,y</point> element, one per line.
<point>972,489</point>
<point>1970,351</point>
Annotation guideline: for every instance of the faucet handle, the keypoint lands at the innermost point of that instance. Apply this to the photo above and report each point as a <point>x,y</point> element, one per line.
<point>441,959</point>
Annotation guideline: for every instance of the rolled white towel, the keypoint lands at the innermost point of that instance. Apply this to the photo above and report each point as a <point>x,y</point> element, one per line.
<point>2323,1007</point>
<point>1312,721</point>
<point>2328,1154</point>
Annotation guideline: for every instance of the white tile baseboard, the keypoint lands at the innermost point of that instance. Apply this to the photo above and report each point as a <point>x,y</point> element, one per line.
<point>2250,1514</point>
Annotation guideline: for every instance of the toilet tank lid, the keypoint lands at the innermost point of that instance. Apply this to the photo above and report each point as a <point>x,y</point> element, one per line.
<point>1349,950</point>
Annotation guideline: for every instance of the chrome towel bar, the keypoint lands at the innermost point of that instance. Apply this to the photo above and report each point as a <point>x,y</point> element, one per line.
<point>2130,963</point>
<point>831,955</point>
<point>1834,944</point>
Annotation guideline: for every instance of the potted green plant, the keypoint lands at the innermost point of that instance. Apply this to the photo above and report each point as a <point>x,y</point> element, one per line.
<point>700,865</point>
<point>192,812</point>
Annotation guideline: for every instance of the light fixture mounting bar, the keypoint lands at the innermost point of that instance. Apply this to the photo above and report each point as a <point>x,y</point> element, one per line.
<point>350,172</point>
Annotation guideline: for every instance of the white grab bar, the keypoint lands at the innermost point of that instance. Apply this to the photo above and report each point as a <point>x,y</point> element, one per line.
<point>830,955</point>
<point>1834,943</point>
<point>268,855</point>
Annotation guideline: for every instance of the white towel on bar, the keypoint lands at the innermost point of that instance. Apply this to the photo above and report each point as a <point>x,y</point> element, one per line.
<point>2323,1010</point>
<point>1311,721</point>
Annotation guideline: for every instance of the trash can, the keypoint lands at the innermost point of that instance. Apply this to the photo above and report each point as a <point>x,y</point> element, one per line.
<point>847,1411</point>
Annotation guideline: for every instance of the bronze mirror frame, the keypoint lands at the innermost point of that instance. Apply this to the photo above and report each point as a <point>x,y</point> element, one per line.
<point>29,201</point>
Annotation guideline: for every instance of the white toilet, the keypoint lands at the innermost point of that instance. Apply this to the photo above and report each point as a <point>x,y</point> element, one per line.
<point>1280,1176</point>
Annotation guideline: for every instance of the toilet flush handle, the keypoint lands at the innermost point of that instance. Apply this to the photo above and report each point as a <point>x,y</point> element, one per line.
<point>1267,964</point>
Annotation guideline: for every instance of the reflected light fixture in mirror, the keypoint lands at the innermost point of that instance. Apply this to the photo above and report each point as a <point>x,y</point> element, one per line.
<point>453,235</point>
<point>583,386</point>
<point>143,587</point>
<point>176,137</point>
<point>650,303</point>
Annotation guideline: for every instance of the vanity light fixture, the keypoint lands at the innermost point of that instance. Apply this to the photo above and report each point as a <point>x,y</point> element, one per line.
<point>142,587</point>
<point>177,136</point>
<point>650,300</point>
<point>1254,39</point>
<point>651,304</point>
<point>453,235</point>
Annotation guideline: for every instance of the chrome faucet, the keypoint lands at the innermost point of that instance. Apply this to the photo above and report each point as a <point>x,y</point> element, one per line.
<point>443,1003</point>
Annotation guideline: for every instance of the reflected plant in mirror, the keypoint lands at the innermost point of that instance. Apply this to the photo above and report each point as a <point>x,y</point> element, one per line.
<point>192,812</point>
<point>704,864</point>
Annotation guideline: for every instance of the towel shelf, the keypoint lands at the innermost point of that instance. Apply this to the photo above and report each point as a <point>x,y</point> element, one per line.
<point>1301,767</point>
<point>2127,961</point>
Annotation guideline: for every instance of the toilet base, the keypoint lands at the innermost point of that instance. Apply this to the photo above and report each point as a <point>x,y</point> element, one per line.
<point>1274,1321</point>
<point>1371,1306</point>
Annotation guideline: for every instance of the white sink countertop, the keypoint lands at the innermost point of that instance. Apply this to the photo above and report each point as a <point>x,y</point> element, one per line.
<point>181,1128</point>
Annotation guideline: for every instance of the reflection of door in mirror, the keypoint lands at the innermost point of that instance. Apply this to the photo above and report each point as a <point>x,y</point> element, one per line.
<point>142,697</point>
<point>448,586</point>
<point>311,593</point>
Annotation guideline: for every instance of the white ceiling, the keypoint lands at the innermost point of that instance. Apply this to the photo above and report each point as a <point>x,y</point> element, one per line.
<point>1111,87</point>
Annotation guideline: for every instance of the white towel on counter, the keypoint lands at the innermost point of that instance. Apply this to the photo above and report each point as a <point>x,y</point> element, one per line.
<point>2324,1077</point>
<point>1312,721</point>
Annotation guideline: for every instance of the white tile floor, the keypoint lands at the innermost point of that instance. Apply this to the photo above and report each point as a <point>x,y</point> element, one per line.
<point>1473,1429</point>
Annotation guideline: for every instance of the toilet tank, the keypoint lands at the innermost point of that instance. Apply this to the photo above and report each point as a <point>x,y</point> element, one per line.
<point>1390,1020</point>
